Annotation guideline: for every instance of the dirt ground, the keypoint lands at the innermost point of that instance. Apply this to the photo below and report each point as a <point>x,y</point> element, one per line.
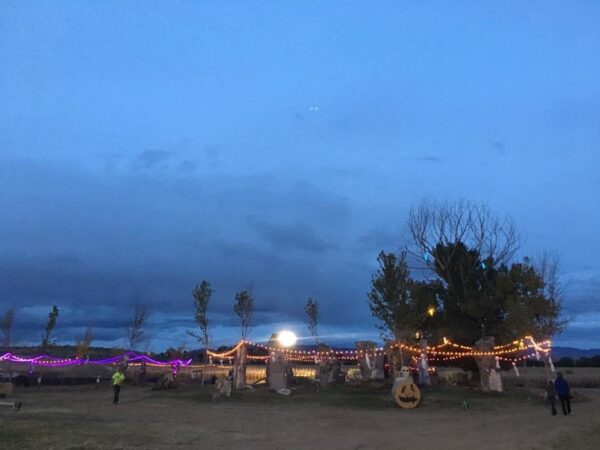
<point>82,417</point>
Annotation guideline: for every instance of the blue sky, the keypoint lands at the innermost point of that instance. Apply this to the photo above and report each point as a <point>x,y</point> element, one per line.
<point>278,146</point>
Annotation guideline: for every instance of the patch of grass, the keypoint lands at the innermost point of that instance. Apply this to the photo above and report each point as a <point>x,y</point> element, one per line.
<point>581,441</point>
<point>359,397</point>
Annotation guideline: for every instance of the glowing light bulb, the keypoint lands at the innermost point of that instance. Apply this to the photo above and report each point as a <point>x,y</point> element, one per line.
<point>286,338</point>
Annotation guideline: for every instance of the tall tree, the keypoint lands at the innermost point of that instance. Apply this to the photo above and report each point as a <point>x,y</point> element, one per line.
<point>202,296</point>
<point>312,313</point>
<point>484,293</point>
<point>244,308</point>
<point>389,296</point>
<point>52,316</point>
<point>6,324</point>
<point>533,303</point>
<point>135,333</point>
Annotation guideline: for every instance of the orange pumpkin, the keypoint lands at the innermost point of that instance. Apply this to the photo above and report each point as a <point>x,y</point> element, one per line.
<point>407,394</point>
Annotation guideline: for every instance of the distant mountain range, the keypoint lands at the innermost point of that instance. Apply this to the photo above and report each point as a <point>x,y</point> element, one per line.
<point>575,353</point>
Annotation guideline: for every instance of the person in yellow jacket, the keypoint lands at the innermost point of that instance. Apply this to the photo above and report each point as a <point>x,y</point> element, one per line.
<point>117,380</point>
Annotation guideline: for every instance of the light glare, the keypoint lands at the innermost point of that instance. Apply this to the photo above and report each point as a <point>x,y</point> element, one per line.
<point>286,338</point>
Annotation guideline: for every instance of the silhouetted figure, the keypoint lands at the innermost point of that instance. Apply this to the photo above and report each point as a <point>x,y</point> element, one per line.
<point>551,396</point>
<point>563,392</point>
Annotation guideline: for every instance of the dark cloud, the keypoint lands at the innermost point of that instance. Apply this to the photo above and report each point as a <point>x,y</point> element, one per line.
<point>188,166</point>
<point>425,158</point>
<point>152,159</point>
<point>379,239</point>
<point>95,245</point>
<point>120,240</point>
<point>499,147</point>
<point>296,236</point>
<point>580,334</point>
<point>582,294</point>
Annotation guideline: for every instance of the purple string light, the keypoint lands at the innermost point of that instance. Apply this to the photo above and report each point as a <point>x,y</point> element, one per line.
<point>50,361</point>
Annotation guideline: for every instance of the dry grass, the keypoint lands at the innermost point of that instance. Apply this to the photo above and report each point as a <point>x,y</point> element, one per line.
<point>578,377</point>
<point>341,417</point>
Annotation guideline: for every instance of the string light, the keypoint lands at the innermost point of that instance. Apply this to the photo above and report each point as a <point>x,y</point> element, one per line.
<point>505,352</point>
<point>49,361</point>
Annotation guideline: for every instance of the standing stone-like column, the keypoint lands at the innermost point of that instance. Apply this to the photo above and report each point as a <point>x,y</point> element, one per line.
<point>239,367</point>
<point>489,375</point>
<point>395,360</point>
<point>279,373</point>
<point>330,367</point>
<point>370,363</point>
<point>423,365</point>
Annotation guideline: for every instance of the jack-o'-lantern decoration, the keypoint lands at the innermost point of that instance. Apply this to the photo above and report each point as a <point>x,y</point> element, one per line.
<point>407,394</point>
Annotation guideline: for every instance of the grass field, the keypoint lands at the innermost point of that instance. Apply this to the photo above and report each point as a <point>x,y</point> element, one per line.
<point>340,417</point>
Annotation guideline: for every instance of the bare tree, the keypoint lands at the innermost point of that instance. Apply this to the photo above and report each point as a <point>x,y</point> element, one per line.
<point>244,308</point>
<point>441,230</point>
<point>548,267</point>
<point>312,313</point>
<point>202,296</point>
<point>52,316</point>
<point>447,223</point>
<point>134,330</point>
<point>83,344</point>
<point>6,324</point>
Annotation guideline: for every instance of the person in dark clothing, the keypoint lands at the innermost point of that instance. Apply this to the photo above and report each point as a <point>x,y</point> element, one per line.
<point>563,392</point>
<point>551,396</point>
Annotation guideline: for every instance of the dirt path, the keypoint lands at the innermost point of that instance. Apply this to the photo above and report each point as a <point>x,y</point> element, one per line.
<point>85,418</point>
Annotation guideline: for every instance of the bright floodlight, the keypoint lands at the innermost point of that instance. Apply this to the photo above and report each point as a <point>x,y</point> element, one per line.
<point>286,338</point>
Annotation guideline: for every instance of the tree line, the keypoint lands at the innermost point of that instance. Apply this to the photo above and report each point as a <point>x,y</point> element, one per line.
<point>468,285</point>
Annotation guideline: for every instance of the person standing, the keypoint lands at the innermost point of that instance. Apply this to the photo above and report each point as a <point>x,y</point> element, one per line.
<point>563,392</point>
<point>551,396</point>
<point>117,380</point>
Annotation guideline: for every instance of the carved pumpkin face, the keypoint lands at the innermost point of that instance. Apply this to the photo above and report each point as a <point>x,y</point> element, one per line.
<point>407,394</point>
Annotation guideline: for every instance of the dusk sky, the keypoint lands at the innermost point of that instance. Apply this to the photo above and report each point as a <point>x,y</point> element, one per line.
<point>278,146</point>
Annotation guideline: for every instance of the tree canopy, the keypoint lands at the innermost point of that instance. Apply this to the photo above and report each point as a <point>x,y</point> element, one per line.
<point>475,288</point>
